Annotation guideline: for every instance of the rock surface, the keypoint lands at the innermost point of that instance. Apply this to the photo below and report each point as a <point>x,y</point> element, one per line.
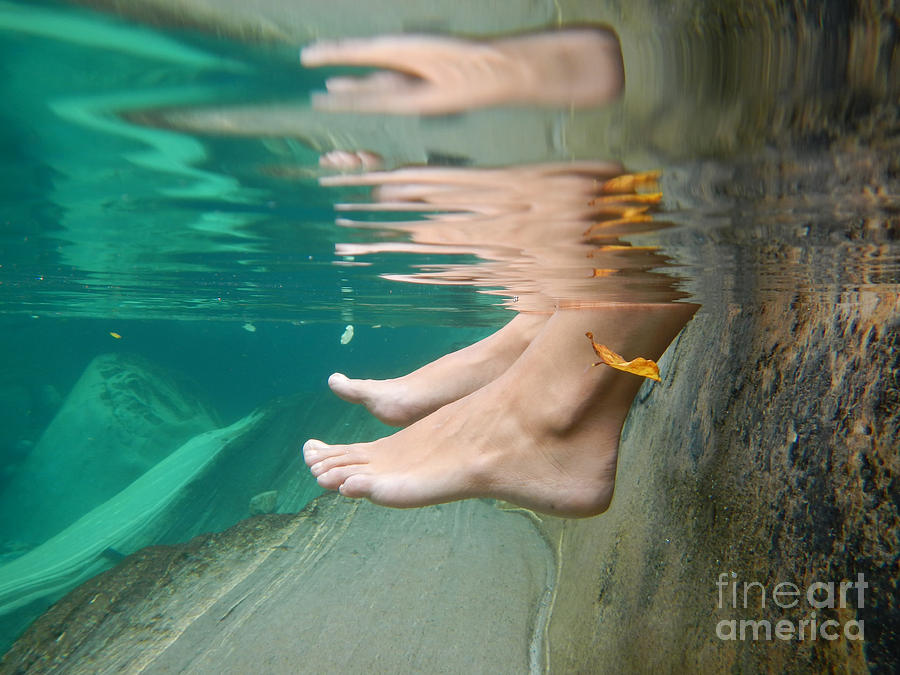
<point>205,485</point>
<point>264,502</point>
<point>712,481</point>
<point>341,587</point>
<point>122,416</point>
<point>769,451</point>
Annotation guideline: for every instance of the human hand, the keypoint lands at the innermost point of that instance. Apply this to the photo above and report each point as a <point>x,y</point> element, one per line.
<point>433,75</point>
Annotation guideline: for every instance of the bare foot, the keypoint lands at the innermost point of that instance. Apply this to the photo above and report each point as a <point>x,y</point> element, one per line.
<point>404,400</point>
<point>544,435</point>
<point>437,75</point>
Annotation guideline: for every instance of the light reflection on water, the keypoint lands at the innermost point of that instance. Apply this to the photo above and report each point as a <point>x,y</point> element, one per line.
<point>168,174</point>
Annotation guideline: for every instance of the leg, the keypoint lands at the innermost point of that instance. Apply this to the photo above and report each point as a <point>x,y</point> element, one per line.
<point>404,400</point>
<point>544,435</point>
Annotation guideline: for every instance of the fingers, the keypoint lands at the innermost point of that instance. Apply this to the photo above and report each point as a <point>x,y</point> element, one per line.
<point>399,52</point>
<point>382,82</point>
<point>420,98</point>
<point>406,92</point>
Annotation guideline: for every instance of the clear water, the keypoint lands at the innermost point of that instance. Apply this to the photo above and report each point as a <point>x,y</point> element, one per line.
<point>213,253</point>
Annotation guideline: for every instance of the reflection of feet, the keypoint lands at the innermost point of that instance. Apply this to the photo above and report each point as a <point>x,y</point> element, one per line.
<point>544,435</point>
<point>438,75</point>
<point>343,160</point>
<point>406,399</point>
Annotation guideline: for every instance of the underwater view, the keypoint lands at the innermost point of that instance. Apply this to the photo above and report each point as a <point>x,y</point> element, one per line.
<point>449,337</point>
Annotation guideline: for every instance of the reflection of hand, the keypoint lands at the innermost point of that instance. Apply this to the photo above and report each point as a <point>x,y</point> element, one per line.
<point>438,75</point>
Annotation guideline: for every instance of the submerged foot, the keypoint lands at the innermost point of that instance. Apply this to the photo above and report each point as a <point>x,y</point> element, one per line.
<point>472,448</point>
<point>544,435</point>
<point>404,400</point>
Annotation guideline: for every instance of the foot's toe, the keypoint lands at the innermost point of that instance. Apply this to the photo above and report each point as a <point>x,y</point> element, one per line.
<point>344,459</point>
<point>314,451</point>
<point>345,388</point>
<point>357,485</point>
<point>334,478</point>
<point>338,381</point>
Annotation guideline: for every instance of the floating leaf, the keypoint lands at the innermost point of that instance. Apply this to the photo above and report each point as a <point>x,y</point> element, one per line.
<point>115,335</point>
<point>639,366</point>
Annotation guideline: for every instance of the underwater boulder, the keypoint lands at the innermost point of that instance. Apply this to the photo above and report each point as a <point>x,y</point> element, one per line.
<point>204,486</point>
<point>122,417</point>
<point>136,516</point>
<point>264,502</point>
<point>342,587</point>
<point>15,414</point>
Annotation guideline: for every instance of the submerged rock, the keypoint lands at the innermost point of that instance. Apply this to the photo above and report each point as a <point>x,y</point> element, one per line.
<point>396,591</point>
<point>264,502</point>
<point>122,417</point>
<point>204,486</point>
<point>772,463</point>
<point>149,508</point>
<point>16,421</point>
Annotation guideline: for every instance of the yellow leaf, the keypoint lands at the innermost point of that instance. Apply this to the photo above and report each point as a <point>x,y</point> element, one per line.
<point>630,182</point>
<point>628,220</point>
<point>625,247</point>
<point>115,335</point>
<point>639,366</point>
<point>636,198</point>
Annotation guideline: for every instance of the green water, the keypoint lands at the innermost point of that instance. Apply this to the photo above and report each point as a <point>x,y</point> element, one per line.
<point>212,254</point>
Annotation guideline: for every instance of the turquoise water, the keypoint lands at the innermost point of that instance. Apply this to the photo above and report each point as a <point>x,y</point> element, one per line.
<point>130,240</point>
<point>149,209</point>
<point>106,217</point>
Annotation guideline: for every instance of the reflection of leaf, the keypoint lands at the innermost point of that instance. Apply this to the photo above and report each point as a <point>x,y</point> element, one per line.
<point>631,219</point>
<point>629,182</point>
<point>637,198</point>
<point>623,247</point>
<point>639,366</point>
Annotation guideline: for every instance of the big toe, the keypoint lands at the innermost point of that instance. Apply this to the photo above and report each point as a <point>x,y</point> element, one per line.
<point>345,388</point>
<point>315,451</point>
